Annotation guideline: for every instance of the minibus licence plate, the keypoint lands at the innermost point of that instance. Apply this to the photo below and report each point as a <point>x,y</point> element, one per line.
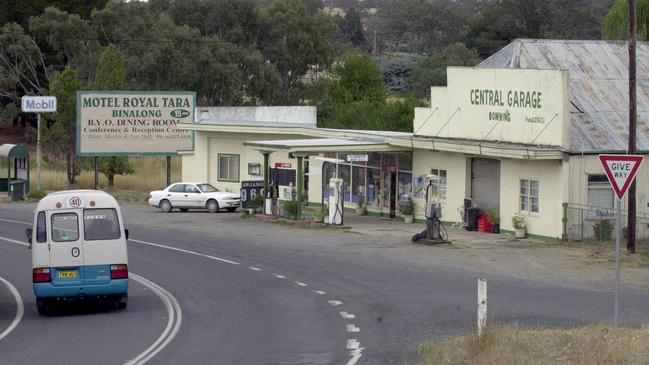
<point>67,274</point>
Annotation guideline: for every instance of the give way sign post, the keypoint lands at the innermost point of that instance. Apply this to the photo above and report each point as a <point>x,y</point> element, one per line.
<point>620,170</point>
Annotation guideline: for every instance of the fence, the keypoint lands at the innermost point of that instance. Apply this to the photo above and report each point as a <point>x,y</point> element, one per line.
<point>586,222</point>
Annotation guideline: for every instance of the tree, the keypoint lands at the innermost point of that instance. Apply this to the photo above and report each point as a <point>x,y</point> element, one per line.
<point>355,98</point>
<point>22,69</point>
<point>294,41</point>
<point>111,76</point>
<point>68,40</point>
<point>351,28</point>
<point>432,70</point>
<point>356,78</point>
<point>616,22</point>
<point>60,137</point>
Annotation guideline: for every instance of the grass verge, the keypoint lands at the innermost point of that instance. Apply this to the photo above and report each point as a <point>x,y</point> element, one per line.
<point>592,345</point>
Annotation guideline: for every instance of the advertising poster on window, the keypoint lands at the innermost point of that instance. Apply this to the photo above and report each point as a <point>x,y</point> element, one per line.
<point>113,123</point>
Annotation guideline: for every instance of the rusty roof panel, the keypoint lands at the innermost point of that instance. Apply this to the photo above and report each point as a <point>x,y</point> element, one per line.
<point>599,100</point>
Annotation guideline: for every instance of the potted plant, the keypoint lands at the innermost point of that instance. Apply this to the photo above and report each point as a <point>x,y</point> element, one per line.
<point>520,226</point>
<point>360,207</point>
<point>257,203</point>
<point>290,209</point>
<point>494,220</point>
<point>407,208</point>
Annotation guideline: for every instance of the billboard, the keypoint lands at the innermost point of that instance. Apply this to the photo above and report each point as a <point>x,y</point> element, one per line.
<point>114,123</point>
<point>506,105</point>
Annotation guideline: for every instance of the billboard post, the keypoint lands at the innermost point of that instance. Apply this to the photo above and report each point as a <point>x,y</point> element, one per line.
<point>38,105</point>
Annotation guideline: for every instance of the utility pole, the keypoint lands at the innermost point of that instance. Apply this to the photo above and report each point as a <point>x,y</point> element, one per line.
<point>630,245</point>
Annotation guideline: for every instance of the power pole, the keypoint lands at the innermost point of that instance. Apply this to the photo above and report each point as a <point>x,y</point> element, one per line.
<point>630,245</point>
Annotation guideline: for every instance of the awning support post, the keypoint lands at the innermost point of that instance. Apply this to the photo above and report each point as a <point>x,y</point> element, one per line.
<point>300,185</point>
<point>266,154</point>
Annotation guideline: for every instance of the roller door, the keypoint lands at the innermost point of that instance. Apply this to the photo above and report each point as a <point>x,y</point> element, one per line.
<point>485,183</point>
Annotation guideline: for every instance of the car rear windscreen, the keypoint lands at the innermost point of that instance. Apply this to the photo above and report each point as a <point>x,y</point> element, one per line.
<point>101,224</point>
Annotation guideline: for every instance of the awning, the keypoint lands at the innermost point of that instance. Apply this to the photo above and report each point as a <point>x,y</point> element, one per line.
<point>317,145</point>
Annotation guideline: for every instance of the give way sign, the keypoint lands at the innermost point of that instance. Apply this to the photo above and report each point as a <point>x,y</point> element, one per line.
<point>621,170</point>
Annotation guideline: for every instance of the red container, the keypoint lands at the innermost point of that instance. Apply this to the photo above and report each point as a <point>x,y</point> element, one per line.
<point>483,223</point>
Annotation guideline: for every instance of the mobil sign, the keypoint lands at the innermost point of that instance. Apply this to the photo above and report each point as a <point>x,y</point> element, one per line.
<point>621,170</point>
<point>38,104</point>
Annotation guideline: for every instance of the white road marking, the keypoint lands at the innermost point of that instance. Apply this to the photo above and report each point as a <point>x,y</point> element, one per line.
<point>171,303</point>
<point>186,251</point>
<point>352,328</point>
<point>20,309</point>
<point>356,354</point>
<point>335,303</point>
<point>175,319</point>
<point>352,344</point>
<point>19,222</point>
<point>254,268</point>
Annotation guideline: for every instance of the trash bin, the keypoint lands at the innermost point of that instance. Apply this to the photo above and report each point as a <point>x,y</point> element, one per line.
<point>472,219</point>
<point>17,190</point>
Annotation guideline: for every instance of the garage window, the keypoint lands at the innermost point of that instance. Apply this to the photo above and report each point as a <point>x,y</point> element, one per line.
<point>228,167</point>
<point>439,186</point>
<point>529,196</point>
<point>600,197</point>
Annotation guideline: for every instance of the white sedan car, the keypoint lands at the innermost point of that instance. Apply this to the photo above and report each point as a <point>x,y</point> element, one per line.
<point>185,196</point>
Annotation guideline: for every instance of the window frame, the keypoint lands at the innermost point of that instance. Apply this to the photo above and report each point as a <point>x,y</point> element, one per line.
<point>599,185</point>
<point>218,167</point>
<point>39,233</point>
<point>438,186</point>
<point>529,196</point>
<point>119,229</point>
<point>52,226</point>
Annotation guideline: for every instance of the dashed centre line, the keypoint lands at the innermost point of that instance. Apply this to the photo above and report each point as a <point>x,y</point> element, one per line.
<point>254,268</point>
<point>279,276</point>
<point>347,315</point>
<point>335,303</point>
<point>319,292</point>
<point>353,344</point>
<point>352,328</point>
<point>300,283</point>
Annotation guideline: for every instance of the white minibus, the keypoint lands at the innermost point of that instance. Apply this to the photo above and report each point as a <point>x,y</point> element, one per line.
<point>78,244</point>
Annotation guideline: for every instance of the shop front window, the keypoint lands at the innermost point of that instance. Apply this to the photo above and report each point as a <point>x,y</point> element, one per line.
<point>373,187</point>
<point>374,159</point>
<point>405,185</point>
<point>439,184</point>
<point>344,173</point>
<point>358,187</point>
<point>405,161</point>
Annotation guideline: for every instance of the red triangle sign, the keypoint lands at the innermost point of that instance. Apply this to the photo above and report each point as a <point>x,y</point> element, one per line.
<point>621,170</point>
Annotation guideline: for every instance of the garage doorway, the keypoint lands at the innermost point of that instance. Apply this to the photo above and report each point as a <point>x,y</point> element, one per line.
<point>485,184</point>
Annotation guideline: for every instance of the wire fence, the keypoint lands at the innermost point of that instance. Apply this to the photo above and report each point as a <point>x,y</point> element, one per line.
<point>592,223</point>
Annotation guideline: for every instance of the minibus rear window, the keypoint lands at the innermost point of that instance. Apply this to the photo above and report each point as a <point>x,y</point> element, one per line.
<point>41,228</point>
<point>101,224</point>
<point>65,227</point>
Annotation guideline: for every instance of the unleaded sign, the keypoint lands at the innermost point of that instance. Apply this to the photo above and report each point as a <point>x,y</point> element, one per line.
<point>116,123</point>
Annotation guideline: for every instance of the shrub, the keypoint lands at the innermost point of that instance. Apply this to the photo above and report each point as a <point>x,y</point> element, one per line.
<point>519,222</point>
<point>36,194</point>
<point>603,230</point>
<point>290,206</point>
<point>407,207</point>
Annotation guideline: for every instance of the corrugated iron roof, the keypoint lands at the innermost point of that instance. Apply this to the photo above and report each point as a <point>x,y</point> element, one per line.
<point>599,110</point>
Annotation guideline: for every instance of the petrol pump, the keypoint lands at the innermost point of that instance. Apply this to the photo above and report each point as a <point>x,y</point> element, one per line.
<point>336,205</point>
<point>433,213</point>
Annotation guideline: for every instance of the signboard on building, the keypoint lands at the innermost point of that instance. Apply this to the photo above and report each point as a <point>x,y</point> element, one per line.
<point>621,170</point>
<point>357,158</point>
<point>283,165</point>
<point>507,105</point>
<point>134,123</point>
<point>249,191</point>
<point>38,104</point>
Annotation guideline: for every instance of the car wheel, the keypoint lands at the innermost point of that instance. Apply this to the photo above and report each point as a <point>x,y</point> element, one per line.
<point>231,209</point>
<point>165,206</point>
<point>212,206</point>
<point>42,307</point>
<point>121,302</point>
<point>183,209</point>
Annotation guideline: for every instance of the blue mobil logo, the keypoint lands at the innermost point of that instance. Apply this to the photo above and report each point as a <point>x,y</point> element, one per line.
<point>38,104</point>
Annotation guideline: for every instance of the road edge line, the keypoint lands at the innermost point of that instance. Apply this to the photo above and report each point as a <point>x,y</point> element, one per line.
<point>20,308</point>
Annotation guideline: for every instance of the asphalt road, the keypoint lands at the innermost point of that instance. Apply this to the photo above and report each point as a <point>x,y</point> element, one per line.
<point>257,293</point>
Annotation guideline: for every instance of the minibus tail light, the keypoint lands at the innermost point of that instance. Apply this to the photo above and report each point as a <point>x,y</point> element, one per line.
<point>119,271</point>
<point>42,275</point>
